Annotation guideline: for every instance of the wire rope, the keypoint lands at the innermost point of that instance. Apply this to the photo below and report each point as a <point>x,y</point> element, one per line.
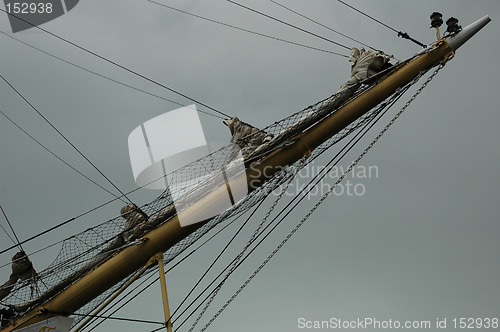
<point>288,24</point>
<point>11,228</point>
<point>59,158</point>
<point>322,199</point>
<point>245,30</point>
<point>116,64</point>
<point>401,34</point>
<point>157,278</point>
<point>105,77</point>
<point>321,24</point>
<point>64,137</point>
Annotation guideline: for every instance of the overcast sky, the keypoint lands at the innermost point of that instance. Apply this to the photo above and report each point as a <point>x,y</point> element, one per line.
<point>420,243</point>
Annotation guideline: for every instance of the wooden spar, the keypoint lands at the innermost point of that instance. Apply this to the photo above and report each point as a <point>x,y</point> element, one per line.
<point>133,258</point>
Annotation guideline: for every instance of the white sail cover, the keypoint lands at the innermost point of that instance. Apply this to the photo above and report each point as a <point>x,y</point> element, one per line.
<point>365,65</point>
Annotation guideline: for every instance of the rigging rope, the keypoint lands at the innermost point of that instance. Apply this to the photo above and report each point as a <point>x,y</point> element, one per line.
<point>11,228</point>
<point>106,77</point>
<point>171,268</point>
<point>112,227</point>
<point>322,25</point>
<point>116,64</point>
<point>109,317</point>
<point>147,286</point>
<point>10,225</point>
<point>64,137</point>
<point>131,191</point>
<point>79,216</point>
<point>302,194</point>
<point>321,200</point>
<point>328,167</point>
<point>401,34</point>
<point>219,256</point>
<point>250,241</point>
<point>59,158</point>
<point>10,237</point>
<point>178,326</point>
<point>157,278</point>
<point>288,24</point>
<point>246,30</point>
<point>383,105</point>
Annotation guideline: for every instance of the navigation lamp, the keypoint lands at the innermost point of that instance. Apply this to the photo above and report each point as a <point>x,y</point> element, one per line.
<point>436,20</point>
<point>453,26</point>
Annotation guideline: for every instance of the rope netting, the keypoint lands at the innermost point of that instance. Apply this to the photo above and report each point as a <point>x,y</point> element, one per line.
<point>84,251</point>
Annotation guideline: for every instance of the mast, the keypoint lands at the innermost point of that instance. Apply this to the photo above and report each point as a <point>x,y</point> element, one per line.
<point>135,257</point>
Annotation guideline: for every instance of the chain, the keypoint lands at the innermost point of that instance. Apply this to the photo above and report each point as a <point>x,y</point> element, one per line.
<point>252,239</point>
<point>341,178</point>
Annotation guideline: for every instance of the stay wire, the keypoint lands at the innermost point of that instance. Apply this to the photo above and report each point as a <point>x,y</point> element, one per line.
<point>251,240</point>
<point>339,156</point>
<point>157,278</point>
<point>158,329</point>
<point>107,317</point>
<point>320,201</point>
<point>105,77</point>
<point>401,34</point>
<point>328,167</point>
<point>246,30</point>
<point>214,280</point>
<point>97,324</point>
<point>10,237</point>
<point>117,64</point>
<point>91,210</point>
<point>234,264</point>
<point>321,24</point>
<point>83,214</point>
<point>226,268</point>
<point>59,158</point>
<point>303,193</point>
<point>219,256</point>
<point>348,146</point>
<point>18,243</point>
<point>251,251</point>
<point>276,217</point>
<point>194,287</point>
<point>207,287</point>
<point>171,268</point>
<point>64,137</point>
<point>288,24</point>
